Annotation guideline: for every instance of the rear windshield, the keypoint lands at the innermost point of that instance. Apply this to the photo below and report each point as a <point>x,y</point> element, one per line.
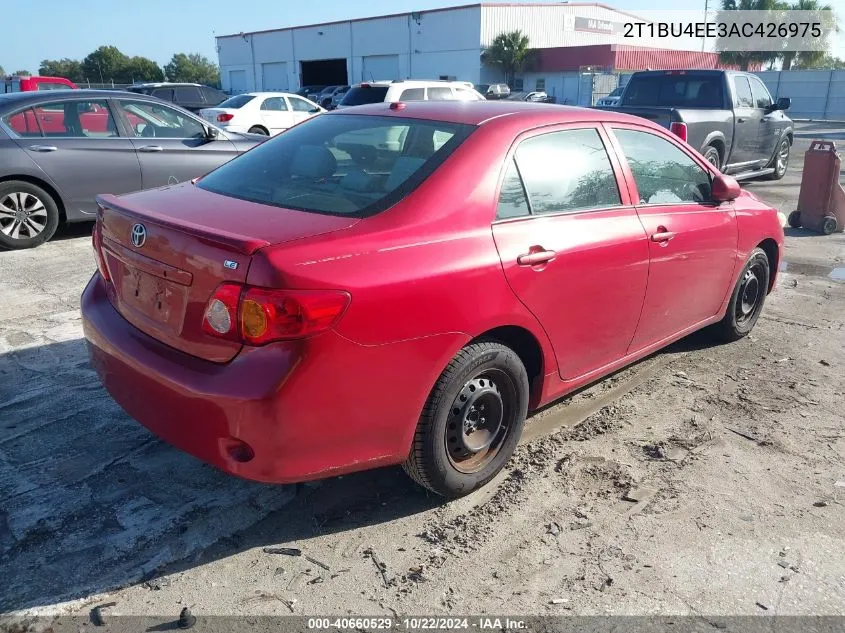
<point>350,165</point>
<point>237,101</point>
<point>360,95</point>
<point>684,91</point>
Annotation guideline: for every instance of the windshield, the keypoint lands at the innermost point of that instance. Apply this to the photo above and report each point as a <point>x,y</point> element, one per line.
<point>341,165</point>
<point>616,92</point>
<point>359,95</point>
<point>235,102</point>
<point>685,91</point>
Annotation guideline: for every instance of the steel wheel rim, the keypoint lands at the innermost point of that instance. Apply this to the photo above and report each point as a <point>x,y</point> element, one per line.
<point>751,293</point>
<point>783,157</point>
<point>22,212</point>
<point>475,436</point>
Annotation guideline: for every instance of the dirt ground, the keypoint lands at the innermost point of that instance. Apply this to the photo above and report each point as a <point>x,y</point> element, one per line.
<point>702,480</point>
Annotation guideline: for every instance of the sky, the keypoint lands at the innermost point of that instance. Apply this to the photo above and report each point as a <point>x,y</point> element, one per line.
<point>159,28</point>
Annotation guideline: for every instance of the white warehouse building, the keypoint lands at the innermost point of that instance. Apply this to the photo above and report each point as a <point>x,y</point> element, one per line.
<point>435,44</point>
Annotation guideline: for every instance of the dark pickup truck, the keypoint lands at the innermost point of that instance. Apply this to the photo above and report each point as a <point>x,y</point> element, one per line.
<point>728,116</point>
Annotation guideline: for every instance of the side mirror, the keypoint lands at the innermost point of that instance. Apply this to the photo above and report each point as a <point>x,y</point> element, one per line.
<point>211,133</point>
<point>783,103</point>
<point>313,110</point>
<point>724,188</point>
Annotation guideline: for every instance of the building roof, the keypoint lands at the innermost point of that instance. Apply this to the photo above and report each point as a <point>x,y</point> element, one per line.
<point>561,5</point>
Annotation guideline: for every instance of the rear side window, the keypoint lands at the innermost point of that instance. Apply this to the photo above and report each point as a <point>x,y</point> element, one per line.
<point>360,95</point>
<point>664,173</point>
<point>163,93</point>
<point>211,95</point>
<point>742,90</point>
<point>340,165</point>
<point>236,102</point>
<point>513,202</point>
<point>567,171</point>
<point>412,94</point>
<point>440,94</point>
<point>682,91</point>
<point>188,94</point>
<point>274,104</point>
<point>23,123</point>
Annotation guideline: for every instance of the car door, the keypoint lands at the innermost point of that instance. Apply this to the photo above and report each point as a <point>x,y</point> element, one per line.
<point>82,151</point>
<point>772,122</point>
<point>692,241</point>
<point>746,122</point>
<point>300,109</point>
<point>275,114</point>
<point>172,145</point>
<point>572,247</point>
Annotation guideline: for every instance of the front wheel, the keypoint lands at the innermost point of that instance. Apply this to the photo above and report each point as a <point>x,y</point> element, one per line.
<point>471,422</point>
<point>747,298</point>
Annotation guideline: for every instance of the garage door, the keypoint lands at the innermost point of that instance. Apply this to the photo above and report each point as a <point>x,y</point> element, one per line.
<point>274,76</point>
<point>378,67</point>
<point>237,81</point>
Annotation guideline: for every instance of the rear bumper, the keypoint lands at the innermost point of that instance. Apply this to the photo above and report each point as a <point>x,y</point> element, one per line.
<point>307,409</point>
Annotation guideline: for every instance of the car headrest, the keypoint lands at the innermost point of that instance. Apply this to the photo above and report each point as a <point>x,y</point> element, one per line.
<point>313,161</point>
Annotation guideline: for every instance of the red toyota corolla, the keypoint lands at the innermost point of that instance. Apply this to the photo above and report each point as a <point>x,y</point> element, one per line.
<point>403,283</point>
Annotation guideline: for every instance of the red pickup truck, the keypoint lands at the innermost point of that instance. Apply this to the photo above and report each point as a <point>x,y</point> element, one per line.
<point>25,84</point>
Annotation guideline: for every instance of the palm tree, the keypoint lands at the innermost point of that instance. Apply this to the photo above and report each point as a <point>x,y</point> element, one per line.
<point>745,59</point>
<point>804,59</point>
<point>510,52</point>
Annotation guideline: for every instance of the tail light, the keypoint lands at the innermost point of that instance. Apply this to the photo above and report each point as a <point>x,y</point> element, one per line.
<point>679,130</point>
<point>97,245</point>
<point>257,316</point>
<point>226,116</point>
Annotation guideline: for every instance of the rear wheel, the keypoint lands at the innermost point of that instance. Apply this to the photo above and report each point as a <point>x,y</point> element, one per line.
<point>747,298</point>
<point>257,129</point>
<point>28,215</point>
<point>781,160</point>
<point>711,155</point>
<point>471,422</point>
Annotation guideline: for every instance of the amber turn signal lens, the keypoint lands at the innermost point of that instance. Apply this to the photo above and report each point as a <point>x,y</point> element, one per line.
<point>253,319</point>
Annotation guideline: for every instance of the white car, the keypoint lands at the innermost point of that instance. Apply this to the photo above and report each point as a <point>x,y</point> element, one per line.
<point>409,90</point>
<point>266,113</point>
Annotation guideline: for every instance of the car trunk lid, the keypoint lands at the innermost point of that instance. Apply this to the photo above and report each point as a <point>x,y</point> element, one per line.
<point>167,251</point>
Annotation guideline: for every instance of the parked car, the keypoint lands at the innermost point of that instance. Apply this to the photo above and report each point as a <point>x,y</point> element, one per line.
<point>408,307</point>
<point>408,90</point>
<point>536,96</point>
<point>612,99</point>
<point>58,150</point>
<point>494,91</point>
<point>14,83</point>
<point>193,97</point>
<point>728,116</point>
<point>305,91</point>
<point>324,99</point>
<point>266,113</point>
<point>337,97</point>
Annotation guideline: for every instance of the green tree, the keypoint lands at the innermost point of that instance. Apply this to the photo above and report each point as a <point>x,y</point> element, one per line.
<point>68,68</point>
<point>105,64</point>
<point>510,52</point>
<point>827,62</point>
<point>22,73</point>
<point>2,72</point>
<point>804,59</point>
<point>746,59</point>
<point>193,68</point>
<point>143,69</point>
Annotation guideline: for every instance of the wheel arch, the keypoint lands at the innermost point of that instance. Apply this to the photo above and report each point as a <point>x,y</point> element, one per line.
<point>770,247</point>
<point>717,140</point>
<point>46,186</point>
<point>263,127</point>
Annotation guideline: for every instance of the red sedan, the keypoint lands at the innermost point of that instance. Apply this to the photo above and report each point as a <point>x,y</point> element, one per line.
<point>403,283</point>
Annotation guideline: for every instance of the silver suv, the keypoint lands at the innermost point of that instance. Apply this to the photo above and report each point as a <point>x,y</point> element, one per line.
<point>409,90</point>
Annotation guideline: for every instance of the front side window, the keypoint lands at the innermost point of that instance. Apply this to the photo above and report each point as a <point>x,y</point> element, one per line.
<point>567,171</point>
<point>440,94</point>
<point>188,94</point>
<point>274,104</point>
<point>48,85</point>
<point>301,105</point>
<point>87,119</point>
<point>759,93</point>
<point>463,94</point>
<point>663,172</point>
<point>513,202</point>
<point>412,94</point>
<point>149,119</point>
<point>163,93</point>
<point>742,93</point>
<point>351,165</point>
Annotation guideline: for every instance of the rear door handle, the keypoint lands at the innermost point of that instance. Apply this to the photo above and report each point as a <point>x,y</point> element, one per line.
<point>538,257</point>
<point>741,120</point>
<point>43,148</point>
<point>151,148</point>
<point>662,236</point>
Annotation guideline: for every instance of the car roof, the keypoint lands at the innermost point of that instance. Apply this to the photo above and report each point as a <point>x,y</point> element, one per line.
<point>269,93</point>
<point>156,84</point>
<point>14,99</point>
<point>483,112</point>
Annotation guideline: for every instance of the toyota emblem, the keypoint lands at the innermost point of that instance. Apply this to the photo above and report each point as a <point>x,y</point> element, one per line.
<point>139,235</point>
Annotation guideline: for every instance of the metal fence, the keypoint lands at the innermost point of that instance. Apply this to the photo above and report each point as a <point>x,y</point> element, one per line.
<point>109,85</point>
<point>815,94</point>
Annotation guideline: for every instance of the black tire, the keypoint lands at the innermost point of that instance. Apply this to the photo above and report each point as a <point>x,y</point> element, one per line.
<point>442,457</point>
<point>794,220</point>
<point>257,129</point>
<point>828,225</point>
<point>28,215</point>
<point>780,161</point>
<point>747,299</point>
<point>711,155</point>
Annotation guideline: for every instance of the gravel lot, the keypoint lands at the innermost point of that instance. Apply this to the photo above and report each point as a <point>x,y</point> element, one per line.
<point>732,452</point>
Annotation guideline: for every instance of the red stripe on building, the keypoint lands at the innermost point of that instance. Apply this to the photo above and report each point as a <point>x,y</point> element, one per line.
<point>623,57</point>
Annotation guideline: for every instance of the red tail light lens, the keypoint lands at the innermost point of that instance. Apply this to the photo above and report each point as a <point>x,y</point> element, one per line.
<point>226,116</point>
<point>257,316</point>
<point>679,130</point>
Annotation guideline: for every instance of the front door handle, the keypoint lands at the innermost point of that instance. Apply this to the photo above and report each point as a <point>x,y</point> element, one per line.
<point>536,257</point>
<point>151,148</point>
<point>662,235</point>
<point>43,148</point>
<point>741,120</point>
